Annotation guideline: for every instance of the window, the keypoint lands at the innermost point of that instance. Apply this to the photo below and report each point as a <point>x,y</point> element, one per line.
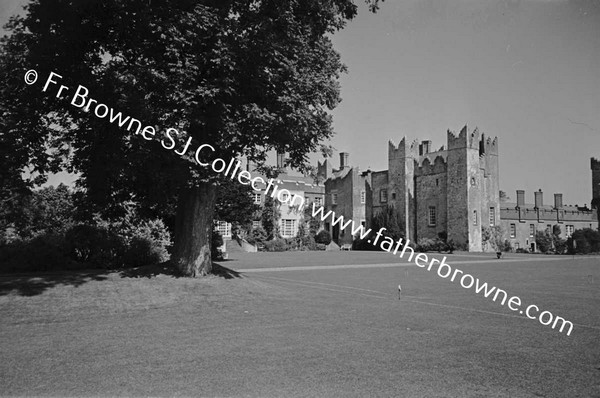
<point>437,182</point>
<point>334,198</point>
<point>363,196</point>
<point>513,230</point>
<point>318,201</point>
<point>549,228</point>
<point>569,230</point>
<point>531,230</point>
<point>288,228</point>
<point>383,195</point>
<point>432,216</point>
<point>492,216</point>
<point>255,224</point>
<point>224,228</point>
<point>256,198</point>
<point>474,217</point>
<point>393,195</point>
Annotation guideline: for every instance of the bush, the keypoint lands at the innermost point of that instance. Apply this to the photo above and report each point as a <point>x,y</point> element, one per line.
<point>276,245</point>
<point>323,237</point>
<point>543,240</point>
<point>94,245</point>
<point>428,244</point>
<point>586,241</point>
<point>215,246</point>
<point>43,253</point>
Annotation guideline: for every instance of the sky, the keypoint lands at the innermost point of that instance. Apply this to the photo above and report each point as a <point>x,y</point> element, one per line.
<point>526,71</point>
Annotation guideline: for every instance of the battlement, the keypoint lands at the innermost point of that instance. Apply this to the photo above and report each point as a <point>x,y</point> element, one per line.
<point>402,150</point>
<point>595,164</point>
<point>464,139</point>
<point>432,163</point>
<point>488,146</point>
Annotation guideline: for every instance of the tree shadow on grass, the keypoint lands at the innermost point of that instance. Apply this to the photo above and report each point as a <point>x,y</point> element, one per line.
<point>32,284</point>
<point>152,271</point>
<point>35,284</point>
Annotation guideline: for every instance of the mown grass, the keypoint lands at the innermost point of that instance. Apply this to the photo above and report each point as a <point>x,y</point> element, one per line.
<point>302,333</point>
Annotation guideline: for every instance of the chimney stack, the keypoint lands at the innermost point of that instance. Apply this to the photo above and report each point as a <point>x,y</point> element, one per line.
<point>520,198</point>
<point>539,199</point>
<point>344,160</point>
<point>424,147</point>
<point>558,203</point>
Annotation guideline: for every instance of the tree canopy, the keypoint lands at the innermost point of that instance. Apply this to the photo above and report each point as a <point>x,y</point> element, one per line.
<point>246,77</point>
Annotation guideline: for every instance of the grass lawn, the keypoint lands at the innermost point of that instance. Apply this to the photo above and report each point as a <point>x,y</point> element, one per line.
<point>304,324</point>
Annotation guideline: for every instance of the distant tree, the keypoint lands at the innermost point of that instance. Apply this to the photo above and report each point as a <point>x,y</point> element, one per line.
<point>504,197</point>
<point>235,204</point>
<point>48,210</point>
<point>270,217</point>
<point>544,241</point>
<point>391,220</point>
<point>245,77</point>
<point>587,240</point>
<point>494,237</point>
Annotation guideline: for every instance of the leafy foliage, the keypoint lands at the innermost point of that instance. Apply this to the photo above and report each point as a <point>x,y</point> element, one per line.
<point>584,241</point>
<point>391,220</point>
<point>244,77</point>
<point>323,237</point>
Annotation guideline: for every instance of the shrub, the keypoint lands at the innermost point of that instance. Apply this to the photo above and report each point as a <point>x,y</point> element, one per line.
<point>586,241</point>
<point>544,241</point>
<point>215,246</point>
<point>323,237</point>
<point>276,245</point>
<point>43,253</point>
<point>428,244</point>
<point>94,245</point>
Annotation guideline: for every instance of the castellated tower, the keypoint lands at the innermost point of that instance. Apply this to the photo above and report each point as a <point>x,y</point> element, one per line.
<point>595,180</point>
<point>488,152</point>
<point>595,163</point>
<point>401,190</point>
<point>465,185</point>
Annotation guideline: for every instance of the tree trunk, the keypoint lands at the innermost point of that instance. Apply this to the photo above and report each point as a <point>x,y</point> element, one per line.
<point>193,230</point>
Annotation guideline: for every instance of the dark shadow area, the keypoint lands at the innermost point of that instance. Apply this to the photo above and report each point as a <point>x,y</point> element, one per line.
<point>150,271</point>
<point>32,284</point>
<point>35,284</point>
<point>225,272</point>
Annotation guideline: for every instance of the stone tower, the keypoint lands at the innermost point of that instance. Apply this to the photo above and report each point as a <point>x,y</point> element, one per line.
<point>465,182</point>
<point>401,189</point>
<point>595,164</point>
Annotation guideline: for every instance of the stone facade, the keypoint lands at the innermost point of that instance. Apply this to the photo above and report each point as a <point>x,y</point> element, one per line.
<point>595,165</point>
<point>445,192</point>
<point>345,190</point>
<point>520,221</point>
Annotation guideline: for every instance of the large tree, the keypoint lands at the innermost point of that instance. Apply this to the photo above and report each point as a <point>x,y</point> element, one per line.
<point>245,76</point>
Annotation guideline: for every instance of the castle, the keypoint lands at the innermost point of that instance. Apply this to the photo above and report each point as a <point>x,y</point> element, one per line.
<point>452,192</point>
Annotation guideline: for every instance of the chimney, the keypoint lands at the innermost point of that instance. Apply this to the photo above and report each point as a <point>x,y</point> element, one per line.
<point>520,198</point>
<point>558,204</point>
<point>344,160</point>
<point>539,199</point>
<point>280,160</point>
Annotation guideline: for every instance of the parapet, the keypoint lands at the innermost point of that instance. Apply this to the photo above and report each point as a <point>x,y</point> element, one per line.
<point>464,139</point>
<point>433,163</point>
<point>402,150</point>
<point>595,164</point>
